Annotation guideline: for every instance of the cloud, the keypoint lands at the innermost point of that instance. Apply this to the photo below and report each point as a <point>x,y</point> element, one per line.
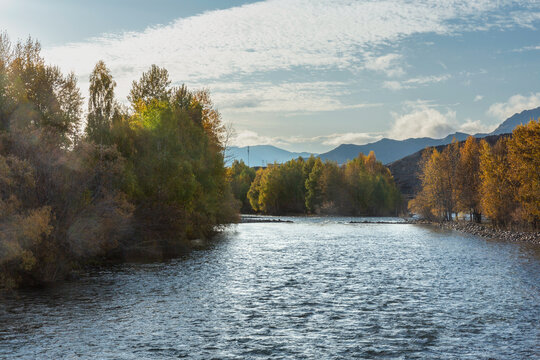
<point>422,122</point>
<point>388,64</point>
<point>515,104</point>
<point>286,97</point>
<point>248,137</point>
<point>278,35</point>
<point>478,98</point>
<point>475,127</point>
<point>415,82</point>
<point>423,119</point>
<point>527,48</point>
<point>351,138</point>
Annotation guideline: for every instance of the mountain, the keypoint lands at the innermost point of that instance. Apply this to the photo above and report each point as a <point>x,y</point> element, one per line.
<point>388,150</point>
<point>261,155</point>
<point>517,119</point>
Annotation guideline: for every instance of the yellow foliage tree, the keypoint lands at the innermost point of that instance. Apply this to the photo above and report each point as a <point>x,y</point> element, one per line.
<point>524,159</point>
<point>497,189</point>
<point>468,179</point>
<point>437,196</point>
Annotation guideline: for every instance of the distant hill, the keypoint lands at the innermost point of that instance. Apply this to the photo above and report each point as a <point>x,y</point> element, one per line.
<point>388,150</point>
<point>517,119</point>
<point>261,155</point>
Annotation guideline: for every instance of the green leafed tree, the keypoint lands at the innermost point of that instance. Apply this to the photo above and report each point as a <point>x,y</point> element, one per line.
<point>154,84</point>
<point>101,104</point>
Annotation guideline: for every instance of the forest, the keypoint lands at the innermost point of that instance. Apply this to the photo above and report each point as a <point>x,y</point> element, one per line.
<point>362,186</point>
<point>500,182</point>
<point>109,182</point>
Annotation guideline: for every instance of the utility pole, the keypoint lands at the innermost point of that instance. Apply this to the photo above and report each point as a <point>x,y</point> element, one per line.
<point>248,155</point>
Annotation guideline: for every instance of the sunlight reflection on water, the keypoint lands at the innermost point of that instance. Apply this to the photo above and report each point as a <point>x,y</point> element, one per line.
<point>315,288</point>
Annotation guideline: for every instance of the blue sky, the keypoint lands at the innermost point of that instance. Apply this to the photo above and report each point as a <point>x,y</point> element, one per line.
<point>307,75</point>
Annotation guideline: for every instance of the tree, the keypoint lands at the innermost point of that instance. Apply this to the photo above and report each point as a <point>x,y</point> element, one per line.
<point>362,186</point>
<point>39,96</point>
<point>101,104</point>
<point>240,177</point>
<point>468,179</point>
<point>497,188</point>
<point>314,192</point>
<point>437,192</point>
<point>153,85</point>
<point>524,159</point>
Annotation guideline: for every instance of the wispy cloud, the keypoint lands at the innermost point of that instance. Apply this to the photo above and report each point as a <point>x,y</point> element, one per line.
<point>285,98</point>
<point>415,82</point>
<point>248,137</point>
<point>274,35</point>
<point>478,98</point>
<point>527,48</point>
<point>390,64</point>
<point>515,104</point>
<point>351,138</point>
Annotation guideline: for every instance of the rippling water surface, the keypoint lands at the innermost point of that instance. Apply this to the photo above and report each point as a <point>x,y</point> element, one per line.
<point>314,289</point>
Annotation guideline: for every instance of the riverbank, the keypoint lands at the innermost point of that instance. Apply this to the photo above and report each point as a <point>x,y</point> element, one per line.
<point>486,231</point>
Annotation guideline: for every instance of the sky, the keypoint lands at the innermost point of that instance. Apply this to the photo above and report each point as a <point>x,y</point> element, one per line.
<point>308,75</point>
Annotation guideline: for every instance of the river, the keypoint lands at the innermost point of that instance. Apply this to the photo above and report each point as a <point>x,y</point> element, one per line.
<point>318,288</point>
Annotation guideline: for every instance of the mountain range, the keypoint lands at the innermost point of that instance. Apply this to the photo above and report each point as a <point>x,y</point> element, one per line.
<point>261,155</point>
<point>386,150</point>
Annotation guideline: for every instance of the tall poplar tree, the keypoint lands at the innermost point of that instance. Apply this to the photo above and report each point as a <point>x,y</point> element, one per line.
<point>468,179</point>
<point>524,158</point>
<point>101,104</point>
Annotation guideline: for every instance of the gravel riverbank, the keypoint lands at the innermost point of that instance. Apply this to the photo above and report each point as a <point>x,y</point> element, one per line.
<point>487,231</point>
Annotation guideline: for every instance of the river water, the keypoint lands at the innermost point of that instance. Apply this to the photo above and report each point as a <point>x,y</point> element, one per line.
<point>318,288</point>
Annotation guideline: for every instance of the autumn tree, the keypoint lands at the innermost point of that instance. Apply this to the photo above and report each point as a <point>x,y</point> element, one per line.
<point>467,179</point>
<point>524,160</point>
<point>437,177</point>
<point>139,183</point>
<point>497,188</point>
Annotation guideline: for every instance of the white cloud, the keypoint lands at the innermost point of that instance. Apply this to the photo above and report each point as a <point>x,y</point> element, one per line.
<point>527,48</point>
<point>475,127</point>
<point>478,98</point>
<point>422,121</point>
<point>287,98</point>
<point>393,85</point>
<point>248,137</point>
<point>275,35</point>
<point>415,82</point>
<point>389,64</point>
<point>515,104</point>
<point>351,138</point>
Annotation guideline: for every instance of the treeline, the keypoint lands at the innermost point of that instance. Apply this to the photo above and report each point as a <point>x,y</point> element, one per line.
<point>362,186</point>
<point>137,180</point>
<point>501,181</point>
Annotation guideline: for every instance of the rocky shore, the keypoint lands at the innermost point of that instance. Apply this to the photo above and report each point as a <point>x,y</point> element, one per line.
<point>486,231</point>
<point>253,219</point>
